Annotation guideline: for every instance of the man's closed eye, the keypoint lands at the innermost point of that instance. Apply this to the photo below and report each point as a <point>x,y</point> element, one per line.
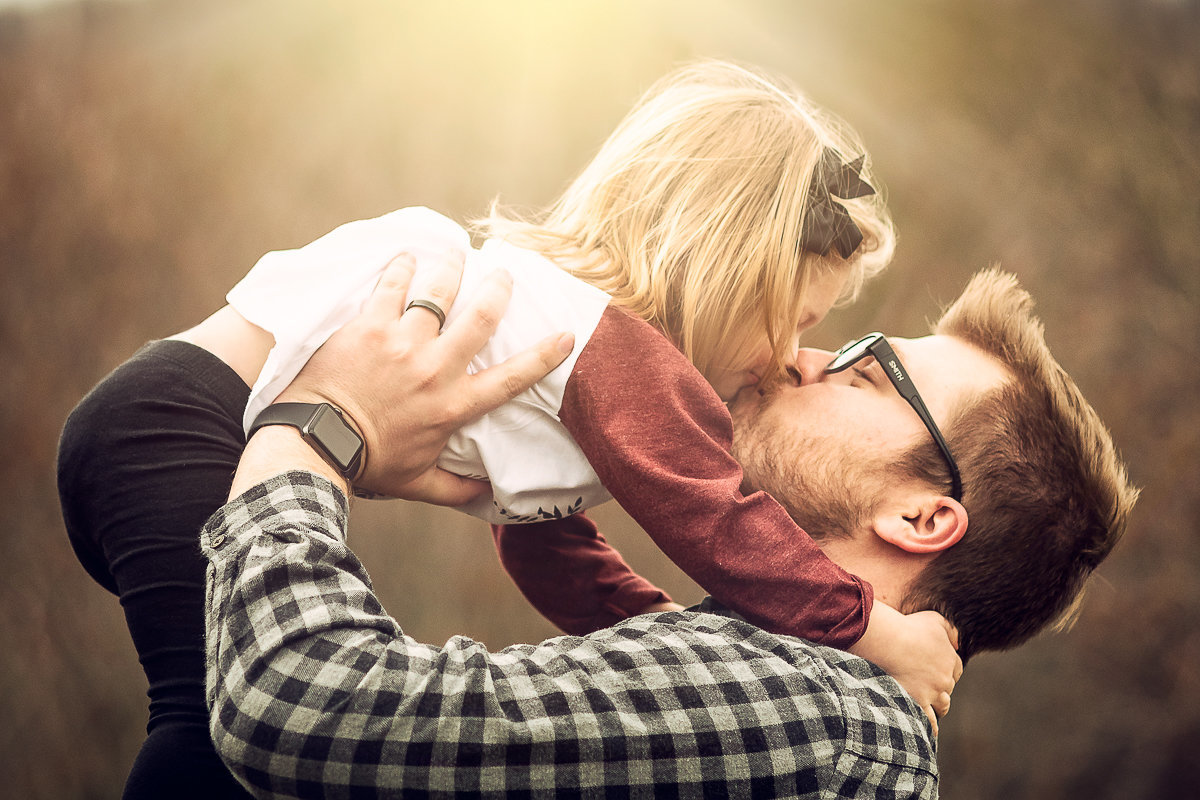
<point>865,373</point>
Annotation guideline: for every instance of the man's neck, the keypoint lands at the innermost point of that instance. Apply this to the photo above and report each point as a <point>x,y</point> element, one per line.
<point>888,569</point>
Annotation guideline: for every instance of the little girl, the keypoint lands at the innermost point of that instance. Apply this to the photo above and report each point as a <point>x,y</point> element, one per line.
<point>723,217</point>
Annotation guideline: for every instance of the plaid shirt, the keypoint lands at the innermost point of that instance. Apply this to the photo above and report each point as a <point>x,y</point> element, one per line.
<point>316,692</point>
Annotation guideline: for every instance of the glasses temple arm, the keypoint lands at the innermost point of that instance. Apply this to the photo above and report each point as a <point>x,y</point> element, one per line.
<point>918,405</point>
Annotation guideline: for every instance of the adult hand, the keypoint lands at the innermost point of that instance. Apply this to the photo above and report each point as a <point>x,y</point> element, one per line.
<point>406,388</point>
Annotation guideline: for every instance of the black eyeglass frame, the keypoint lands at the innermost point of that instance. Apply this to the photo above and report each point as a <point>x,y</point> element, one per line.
<point>876,345</point>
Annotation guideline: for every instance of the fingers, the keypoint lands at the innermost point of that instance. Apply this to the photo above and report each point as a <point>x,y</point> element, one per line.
<point>442,488</point>
<point>480,318</point>
<point>386,301</point>
<point>471,330</point>
<point>941,705</point>
<point>952,632</point>
<point>437,283</point>
<point>497,385</point>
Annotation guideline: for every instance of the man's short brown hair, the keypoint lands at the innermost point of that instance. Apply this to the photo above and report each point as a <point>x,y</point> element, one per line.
<point>1046,493</point>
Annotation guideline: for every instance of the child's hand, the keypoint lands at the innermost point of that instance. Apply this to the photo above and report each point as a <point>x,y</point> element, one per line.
<point>918,650</point>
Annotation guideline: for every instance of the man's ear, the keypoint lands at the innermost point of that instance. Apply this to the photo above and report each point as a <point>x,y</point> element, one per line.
<point>928,524</point>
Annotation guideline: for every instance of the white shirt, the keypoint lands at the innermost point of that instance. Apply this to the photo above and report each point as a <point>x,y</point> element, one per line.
<point>302,296</point>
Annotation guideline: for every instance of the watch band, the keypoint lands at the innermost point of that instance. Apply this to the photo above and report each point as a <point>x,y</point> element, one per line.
<point>324,428</point>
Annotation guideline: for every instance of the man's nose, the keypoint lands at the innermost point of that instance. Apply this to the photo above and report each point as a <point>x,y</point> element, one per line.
<point>811,363</point>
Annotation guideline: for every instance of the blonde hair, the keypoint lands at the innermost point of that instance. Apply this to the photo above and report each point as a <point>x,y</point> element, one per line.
<point>690,215</point>
<point>1046,490</point>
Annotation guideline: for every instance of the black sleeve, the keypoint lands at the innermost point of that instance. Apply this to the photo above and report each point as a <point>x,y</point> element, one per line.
<point>144,459</point>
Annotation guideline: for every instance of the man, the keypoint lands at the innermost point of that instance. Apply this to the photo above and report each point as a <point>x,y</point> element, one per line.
<point>1047,493</point>
<point>315,691</point>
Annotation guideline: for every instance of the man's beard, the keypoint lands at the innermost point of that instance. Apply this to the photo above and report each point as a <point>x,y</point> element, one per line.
<point>828,487</point>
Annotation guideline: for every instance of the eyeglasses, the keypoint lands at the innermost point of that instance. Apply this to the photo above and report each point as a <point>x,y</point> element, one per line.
<point>876,345</point>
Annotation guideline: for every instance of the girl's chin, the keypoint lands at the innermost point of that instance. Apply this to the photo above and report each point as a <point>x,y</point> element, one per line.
<point>731,384</point>
<point>733,391</point>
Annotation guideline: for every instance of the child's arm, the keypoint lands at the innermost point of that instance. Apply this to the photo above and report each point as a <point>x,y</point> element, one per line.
<point>659,438</point>
<point>569,573</point>
<point>572,576</point>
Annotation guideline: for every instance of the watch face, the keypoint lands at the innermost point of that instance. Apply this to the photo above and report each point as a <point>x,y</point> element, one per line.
<point>336,437</point>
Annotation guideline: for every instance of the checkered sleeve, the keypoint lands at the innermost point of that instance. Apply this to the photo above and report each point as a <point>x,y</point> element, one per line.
<point>315,692</point>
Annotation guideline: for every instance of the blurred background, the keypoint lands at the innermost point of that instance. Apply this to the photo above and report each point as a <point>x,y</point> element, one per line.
<point>150,152</point>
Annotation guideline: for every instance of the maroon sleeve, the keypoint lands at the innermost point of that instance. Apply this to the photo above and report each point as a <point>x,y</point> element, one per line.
<point>570,574</point>
<point>659,438</point>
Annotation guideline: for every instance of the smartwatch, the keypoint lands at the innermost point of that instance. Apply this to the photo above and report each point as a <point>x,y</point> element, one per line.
<point>324,428</point>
